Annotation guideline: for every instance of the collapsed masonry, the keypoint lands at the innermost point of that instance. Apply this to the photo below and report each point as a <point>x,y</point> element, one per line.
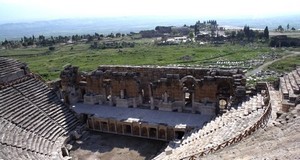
<point>181,89</point>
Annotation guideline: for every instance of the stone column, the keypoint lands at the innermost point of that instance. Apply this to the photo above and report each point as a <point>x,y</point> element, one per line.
<point>193,106</point>
<point>122,94</point>
<point>180,108</point>
<point>100,125</point>
<point>134,102</point>
<point>151,97</point>
<point>152,102</point>
<point>140,99</point>
<point>108,126</point>
<point>92,119</point>
<point>140,130</point>
<point>111,96</point>
<point>165,97</point>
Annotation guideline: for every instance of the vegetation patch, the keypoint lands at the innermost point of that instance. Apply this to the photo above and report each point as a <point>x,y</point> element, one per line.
<point>48,65</point>
<point>285,65</point>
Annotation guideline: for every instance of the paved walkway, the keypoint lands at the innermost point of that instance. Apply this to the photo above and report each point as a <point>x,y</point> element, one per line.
<point>276,103</point>
<point>144,115</point>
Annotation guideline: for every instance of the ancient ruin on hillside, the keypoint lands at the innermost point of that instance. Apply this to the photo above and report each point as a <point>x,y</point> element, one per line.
<point>198,110</point>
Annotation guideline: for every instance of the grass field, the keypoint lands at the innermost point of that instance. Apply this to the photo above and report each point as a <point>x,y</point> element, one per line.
<point>285,65</point>
<point>49,64</point>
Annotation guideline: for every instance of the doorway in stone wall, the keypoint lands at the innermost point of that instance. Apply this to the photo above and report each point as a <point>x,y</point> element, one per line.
<point>127,129</point>
<point>188,99</point>
<point>179,134</point>
<point>188,86</point>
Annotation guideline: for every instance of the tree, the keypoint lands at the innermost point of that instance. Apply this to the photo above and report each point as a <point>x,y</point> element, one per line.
<point>233,34</point>
<point>288,27</point>
<point>293,29</point>
<point>240,35</point>
<point>266,33</point>
<point>118,34</point>
<point>247,32</point>
<point>191,35</point>
<point>111,35</point>
<point>280,28</point>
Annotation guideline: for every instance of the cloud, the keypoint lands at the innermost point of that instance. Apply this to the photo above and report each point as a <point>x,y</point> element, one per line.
<point>26,9</point>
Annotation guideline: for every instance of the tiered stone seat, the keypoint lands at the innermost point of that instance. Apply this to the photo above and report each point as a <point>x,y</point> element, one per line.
<point>26,114</point>
<point>218,131</point>
<point>290,85</point>
<point>32,121</point>
<point>10,69</point>
<point>47,101</point>
<point>15,139</point>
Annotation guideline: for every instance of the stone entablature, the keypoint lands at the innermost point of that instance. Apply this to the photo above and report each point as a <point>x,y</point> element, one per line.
<point>182,89</point>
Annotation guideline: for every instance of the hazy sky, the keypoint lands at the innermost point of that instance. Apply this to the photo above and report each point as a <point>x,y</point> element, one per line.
<point>24,10</point>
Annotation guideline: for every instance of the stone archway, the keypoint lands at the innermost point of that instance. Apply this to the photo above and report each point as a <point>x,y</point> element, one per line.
<point>224,93</point>
<point>153,132</point>
<point>112,127</point>
<point>188,84</point>
<point>104,126</point>
<point>224,89</point>
<point>136,130</point>
<point>179,134</point>
<point>162,134</point>
<point>127,129</point>
<point>97,125</point>
<point>144,132</point>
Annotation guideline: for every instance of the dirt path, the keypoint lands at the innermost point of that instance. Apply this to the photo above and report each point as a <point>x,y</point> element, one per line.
<point>102,146</point>
<point>293,53</point>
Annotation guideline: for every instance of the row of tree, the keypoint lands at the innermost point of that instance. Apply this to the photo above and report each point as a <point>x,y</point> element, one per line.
<point>43,41</point>
<point>248,34</point>
<point>281,29</point>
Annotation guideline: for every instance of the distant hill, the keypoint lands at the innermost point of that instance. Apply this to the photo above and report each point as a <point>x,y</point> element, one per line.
<point>12,31</point>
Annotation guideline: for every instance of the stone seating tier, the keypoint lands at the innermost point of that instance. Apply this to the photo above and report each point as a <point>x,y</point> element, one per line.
<point>290,85</point>
<point>32,121</point>
<point>220,130</point>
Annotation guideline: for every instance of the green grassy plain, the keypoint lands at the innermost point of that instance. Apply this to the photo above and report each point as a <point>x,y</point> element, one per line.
<point>285,65</point>
<point>49,64</point>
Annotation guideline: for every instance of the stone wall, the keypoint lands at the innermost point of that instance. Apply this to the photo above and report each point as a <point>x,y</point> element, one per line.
<point>136,128</point>
<point>164,88</point>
